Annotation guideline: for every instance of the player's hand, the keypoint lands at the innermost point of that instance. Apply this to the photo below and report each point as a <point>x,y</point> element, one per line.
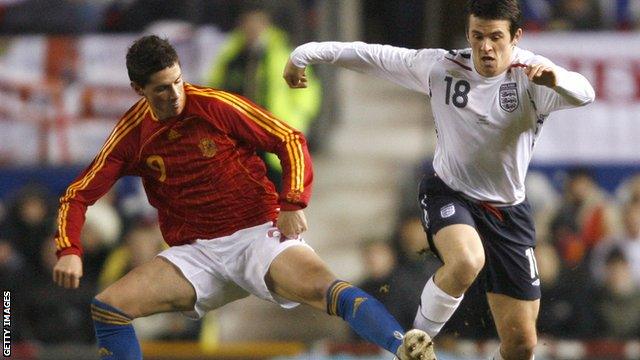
<point>292,223</point>
<point>541,75</point>
<point>294,76</point>
<point>68,271</point>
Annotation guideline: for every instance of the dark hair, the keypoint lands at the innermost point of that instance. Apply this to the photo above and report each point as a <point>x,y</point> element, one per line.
<point>148,55</point>
<point>495,10</point>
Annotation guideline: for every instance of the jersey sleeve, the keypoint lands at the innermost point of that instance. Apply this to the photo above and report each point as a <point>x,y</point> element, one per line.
<point>250,123</point>
<point>409,68</point>
<point>572,89</point>
<point>94,182</point>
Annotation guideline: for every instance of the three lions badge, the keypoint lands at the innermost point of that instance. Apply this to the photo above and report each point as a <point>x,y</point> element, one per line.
<point>508,97</point>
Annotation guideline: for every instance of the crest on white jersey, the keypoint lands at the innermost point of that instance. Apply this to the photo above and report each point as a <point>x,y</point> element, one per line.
<point>447,210</point>
<point>509,97</point>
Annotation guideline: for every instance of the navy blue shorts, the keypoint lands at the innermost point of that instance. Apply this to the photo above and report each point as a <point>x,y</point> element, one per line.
<point>507,234</point>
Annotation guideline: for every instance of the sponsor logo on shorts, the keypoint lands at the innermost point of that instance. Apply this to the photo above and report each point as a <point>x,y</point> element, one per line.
<point>447,211</point>
<point>425,213</point>
<point>536,282</point>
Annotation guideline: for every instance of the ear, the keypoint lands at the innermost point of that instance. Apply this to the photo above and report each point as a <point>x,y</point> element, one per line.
<point>517,36</point>
<point>137,88</point>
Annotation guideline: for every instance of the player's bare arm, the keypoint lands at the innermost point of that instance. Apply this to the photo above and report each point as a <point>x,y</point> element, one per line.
<point>68,271</point>
<point>292,223</point>
<point>294,76</point>
<point>541,75</point>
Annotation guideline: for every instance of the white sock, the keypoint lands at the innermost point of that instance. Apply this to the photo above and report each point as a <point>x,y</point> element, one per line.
<point>436,307</point>
<point>498,356</point>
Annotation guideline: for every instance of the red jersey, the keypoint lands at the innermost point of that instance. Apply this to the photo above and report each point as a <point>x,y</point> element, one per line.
<point>199,169</point>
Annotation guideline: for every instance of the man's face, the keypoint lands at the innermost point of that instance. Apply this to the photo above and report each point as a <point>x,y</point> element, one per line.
<point>492,45</point>
<point>165,92</point>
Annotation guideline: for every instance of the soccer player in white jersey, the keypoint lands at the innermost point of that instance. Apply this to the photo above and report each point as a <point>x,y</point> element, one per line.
<point>489,103</point>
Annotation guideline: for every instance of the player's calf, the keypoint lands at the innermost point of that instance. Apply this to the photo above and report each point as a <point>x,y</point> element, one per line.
<point>114,332</point>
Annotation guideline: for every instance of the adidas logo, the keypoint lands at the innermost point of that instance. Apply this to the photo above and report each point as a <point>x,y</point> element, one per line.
<point>104,352</point>
<point>173,134</point>
<point>356,304</point>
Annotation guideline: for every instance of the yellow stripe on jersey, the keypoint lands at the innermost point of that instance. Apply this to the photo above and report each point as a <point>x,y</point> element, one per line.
<point>130,121</point>
<point>271,125</point>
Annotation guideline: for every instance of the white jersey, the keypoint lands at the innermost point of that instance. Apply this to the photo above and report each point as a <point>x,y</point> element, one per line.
<point>486,127</point>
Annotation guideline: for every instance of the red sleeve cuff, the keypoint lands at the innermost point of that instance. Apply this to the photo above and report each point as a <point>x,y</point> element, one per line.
<point>287,206</point>
<point>69,251</point>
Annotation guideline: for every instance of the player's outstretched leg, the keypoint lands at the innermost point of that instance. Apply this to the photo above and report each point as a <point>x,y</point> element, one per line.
<point>371,320</point>
<point>416,344</point>
<point>114,331</point>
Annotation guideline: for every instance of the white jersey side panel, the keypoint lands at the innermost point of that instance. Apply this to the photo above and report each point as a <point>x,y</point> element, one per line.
<point>486,127</point>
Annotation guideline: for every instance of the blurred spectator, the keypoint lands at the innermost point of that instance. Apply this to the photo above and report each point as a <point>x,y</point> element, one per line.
<point>415,267</point>
<point>397,277</point>
<point>618,300</point>
<point>543,199</point>
<point>250,63</point>
<point>141,244</point>
<point>566,310</point>
<point>55,315</point>
<point>29,223</point>
<point>101,232</point>
<point>44,314</point>
<point>629,190</point>
<point>628,241</point>
<point>578,15</point>
<point>583,218</point>
<point>379,260</point>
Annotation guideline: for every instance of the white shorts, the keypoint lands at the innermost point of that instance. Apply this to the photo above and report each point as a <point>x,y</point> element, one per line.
<point>228,268</point>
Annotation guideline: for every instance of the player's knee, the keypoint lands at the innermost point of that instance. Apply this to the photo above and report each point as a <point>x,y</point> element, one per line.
<point>319,281</point>
<point>110,298</point>
<point>466,268</point>
<point>314,291</point>
<point>519,345</point>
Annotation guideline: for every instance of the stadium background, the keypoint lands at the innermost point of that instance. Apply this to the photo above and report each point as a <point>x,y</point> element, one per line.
<point>63,84</point>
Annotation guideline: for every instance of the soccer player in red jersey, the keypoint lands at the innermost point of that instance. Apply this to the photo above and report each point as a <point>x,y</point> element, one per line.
<point>228,228</point>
